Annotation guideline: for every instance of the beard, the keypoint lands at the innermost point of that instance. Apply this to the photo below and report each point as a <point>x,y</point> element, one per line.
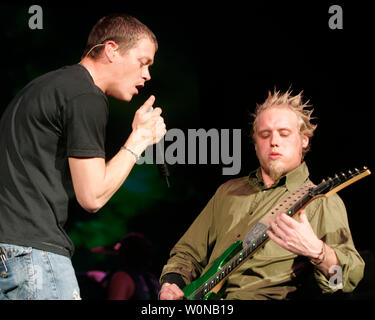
<point>275,170</point>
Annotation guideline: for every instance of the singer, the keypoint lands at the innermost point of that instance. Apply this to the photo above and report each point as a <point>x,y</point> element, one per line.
<point>52,142</point>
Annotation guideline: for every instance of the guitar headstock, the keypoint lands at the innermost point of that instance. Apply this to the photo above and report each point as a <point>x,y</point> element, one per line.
<point>330,185</point>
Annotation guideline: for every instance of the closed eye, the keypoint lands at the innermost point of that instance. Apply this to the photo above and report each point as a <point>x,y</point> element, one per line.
<point>284,132</point>
<point>146,62</point>
<point>264,134</point>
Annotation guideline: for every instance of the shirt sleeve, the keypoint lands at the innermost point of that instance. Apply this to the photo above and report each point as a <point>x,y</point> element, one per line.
<point>191,253</point>
<point>85,124</point>
<point>329,221</point>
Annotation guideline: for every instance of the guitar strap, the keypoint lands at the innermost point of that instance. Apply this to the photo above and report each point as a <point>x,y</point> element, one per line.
<point>290,199</point>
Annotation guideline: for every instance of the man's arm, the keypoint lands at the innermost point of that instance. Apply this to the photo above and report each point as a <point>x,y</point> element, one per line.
<point>327,221</point>
<point>299,238</point>
<point>190,254</point>
<point>95,181</point>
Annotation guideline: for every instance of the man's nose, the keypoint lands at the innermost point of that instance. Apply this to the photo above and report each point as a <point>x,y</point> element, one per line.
<point>275,140</point>
<point>146,74</point>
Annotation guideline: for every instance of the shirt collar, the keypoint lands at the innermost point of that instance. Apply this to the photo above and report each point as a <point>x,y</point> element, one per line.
<point>292,180</point>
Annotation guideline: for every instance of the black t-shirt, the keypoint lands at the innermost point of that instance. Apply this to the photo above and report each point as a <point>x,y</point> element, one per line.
<point>58,115</point>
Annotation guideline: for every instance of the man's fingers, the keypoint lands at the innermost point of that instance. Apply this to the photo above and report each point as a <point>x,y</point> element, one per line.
<point>288,221</point>
<point>303,217</point>
<point>275,238</point>
<point>278,227</point>
<point>147,105</point>
<point>149,121</point>
<point>156,111</point>
<point>171,292</point>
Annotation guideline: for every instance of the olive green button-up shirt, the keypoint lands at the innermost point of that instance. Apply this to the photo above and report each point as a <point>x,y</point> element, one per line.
<point>236,206</point>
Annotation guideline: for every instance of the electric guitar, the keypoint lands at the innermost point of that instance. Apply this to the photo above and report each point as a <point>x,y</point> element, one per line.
<point>210,286</point>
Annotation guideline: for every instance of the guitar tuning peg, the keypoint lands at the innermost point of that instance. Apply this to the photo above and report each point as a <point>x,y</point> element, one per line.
<point>350,172</point>
<point>356,170</point>
<point>343,174</point>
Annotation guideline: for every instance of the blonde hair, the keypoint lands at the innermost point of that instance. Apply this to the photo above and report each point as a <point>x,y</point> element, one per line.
<point>294,103</point>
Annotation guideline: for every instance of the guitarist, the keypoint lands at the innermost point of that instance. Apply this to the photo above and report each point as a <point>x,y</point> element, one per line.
<point>311,245</point>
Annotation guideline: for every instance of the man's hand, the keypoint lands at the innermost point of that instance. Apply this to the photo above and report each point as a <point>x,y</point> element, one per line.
<point>148,127</point>
<point>297,237</point>
<point>170,291</point>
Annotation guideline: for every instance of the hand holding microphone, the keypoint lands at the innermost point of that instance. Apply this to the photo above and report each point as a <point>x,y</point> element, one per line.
<point>148,128</point>
<point>148,121</point>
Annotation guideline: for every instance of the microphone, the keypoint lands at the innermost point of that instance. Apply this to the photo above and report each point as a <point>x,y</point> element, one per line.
<point>162,167</point>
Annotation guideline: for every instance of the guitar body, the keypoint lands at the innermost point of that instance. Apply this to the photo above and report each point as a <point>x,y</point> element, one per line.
<point>214,293</point>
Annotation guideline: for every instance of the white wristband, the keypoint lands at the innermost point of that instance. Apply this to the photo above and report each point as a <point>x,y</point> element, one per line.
<point>131,151</point>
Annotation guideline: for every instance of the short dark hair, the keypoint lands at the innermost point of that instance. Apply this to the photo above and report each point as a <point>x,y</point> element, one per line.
<point>122,28</point>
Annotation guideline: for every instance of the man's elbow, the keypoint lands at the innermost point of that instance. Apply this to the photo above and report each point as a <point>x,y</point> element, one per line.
<point>92,209</point>
<point>90,205</point>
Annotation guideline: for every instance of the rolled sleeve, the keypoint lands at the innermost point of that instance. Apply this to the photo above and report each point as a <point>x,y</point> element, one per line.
<point>329,219</point>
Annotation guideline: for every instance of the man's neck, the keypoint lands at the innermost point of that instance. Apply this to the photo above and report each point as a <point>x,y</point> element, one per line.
<point>92,68</point>
<point>267,180</point>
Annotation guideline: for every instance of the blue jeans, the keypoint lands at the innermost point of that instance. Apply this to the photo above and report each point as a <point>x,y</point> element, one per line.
<point>32,274</point>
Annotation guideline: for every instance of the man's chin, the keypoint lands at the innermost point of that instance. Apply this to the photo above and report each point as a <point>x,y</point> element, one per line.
<point>276,170</point>
<point>125,98</point>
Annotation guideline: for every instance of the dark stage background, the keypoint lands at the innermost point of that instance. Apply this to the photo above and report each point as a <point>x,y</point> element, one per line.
<point>214,63</point>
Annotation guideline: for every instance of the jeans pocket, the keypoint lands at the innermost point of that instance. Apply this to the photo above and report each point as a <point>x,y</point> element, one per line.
<point>16,279</point>
<point>14,251</point>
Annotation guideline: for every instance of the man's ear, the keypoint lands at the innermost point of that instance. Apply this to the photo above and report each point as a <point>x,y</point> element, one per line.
<point>305,141</point>
<point>110,49</point>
